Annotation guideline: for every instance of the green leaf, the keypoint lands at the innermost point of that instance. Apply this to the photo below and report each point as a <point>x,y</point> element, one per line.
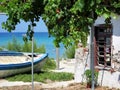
<point>106,15</point>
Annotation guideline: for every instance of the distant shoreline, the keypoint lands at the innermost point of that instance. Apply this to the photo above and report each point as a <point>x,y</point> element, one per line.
<point>41,38</point>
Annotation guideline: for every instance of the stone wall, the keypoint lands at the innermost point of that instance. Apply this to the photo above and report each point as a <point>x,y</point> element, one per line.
<point>105,77</point>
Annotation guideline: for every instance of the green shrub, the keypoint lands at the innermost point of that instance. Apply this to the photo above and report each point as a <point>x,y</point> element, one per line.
<point>59,76</point>
<point>88,76</point>
<point>14,45</point>
<point>49,64</point>
<point>1,49</point>
<point>40,49</point>
<point>26,47</point>
<point>43,77</point>
<point>70,52</point>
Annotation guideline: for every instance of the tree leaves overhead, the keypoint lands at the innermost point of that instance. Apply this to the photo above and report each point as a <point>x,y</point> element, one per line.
<point>68,21</point>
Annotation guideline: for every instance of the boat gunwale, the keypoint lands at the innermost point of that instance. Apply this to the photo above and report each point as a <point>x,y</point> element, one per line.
<point>23,65</point>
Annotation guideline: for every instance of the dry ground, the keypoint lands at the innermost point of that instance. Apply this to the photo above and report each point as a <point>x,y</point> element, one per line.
<point>75,86</point>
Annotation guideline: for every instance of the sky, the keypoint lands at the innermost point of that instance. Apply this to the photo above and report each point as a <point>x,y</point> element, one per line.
<point>22,27</point>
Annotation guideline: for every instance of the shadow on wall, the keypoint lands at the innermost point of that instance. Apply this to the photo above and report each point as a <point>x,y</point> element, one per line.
<point>119,79</point>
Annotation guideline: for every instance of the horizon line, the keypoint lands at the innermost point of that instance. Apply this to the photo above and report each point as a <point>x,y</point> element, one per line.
<point>18,32</point>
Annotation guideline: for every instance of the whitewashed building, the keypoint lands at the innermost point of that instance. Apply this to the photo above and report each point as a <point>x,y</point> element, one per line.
<point>106,54</point>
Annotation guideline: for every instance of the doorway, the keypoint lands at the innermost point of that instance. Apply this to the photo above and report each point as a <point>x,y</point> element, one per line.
<point>102,44</point>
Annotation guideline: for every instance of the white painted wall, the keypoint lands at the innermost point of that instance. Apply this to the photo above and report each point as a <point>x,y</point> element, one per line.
<point>116,34</point>
<point>112,80</point>
<point>116,31</point>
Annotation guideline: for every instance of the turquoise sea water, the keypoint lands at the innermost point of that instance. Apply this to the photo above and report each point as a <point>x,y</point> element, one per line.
<point>40,37</point>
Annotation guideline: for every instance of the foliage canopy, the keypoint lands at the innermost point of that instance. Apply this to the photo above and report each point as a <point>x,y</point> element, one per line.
<point>68,22</point>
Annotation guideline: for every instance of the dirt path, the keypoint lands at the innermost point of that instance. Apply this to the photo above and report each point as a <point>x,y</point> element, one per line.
<point>75,86</point>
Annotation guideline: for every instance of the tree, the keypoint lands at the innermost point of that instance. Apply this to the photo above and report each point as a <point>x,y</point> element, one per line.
<point>68,22</point>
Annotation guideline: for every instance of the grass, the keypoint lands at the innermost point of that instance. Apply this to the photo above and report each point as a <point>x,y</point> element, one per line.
<point>49,64</point>
<point>42,77</point>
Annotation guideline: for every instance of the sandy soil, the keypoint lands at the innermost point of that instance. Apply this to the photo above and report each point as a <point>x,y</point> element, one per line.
<point>72,86</point>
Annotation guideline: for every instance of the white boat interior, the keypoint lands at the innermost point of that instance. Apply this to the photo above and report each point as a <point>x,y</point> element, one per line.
<point>18,59</point>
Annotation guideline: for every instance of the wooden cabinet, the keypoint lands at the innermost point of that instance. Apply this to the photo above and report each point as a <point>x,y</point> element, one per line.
<point>102,42</point>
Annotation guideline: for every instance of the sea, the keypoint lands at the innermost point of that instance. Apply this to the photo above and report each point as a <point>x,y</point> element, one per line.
<point>41,38</point>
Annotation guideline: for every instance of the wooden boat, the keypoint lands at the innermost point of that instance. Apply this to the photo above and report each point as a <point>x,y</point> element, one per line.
<point>12,63</point>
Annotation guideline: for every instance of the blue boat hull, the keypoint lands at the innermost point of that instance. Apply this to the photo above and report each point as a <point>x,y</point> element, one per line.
<point>12,69</point>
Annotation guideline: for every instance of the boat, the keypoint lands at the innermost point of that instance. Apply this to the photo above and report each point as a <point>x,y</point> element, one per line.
<point>12,63</point>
